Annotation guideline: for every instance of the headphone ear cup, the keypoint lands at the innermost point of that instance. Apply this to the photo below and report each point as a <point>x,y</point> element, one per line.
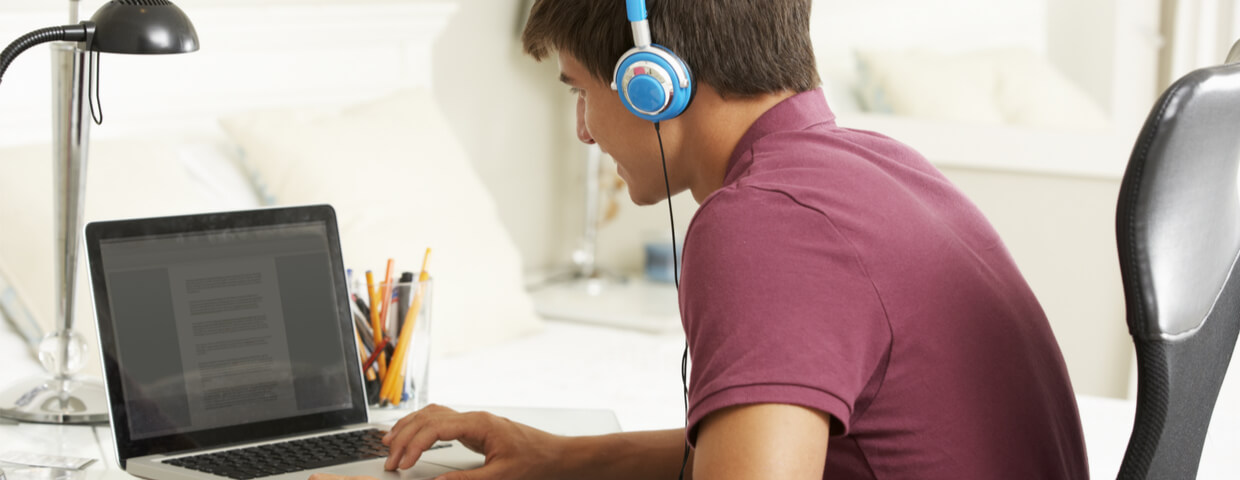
<point>649,83</point>
<point>689,90</point>
<point>692,82</point>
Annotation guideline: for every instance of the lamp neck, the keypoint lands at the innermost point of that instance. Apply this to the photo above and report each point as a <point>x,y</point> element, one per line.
<point>73,33</point>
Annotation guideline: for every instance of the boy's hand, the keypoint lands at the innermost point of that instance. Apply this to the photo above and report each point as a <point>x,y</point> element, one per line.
<point>512,450</point>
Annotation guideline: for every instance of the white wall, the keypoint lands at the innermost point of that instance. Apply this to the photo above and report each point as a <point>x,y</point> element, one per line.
<point>506,109</point>
<point>1198,33</point>
<point>1061,232</point>
<point>508,112</point>
<point>1106,47</point>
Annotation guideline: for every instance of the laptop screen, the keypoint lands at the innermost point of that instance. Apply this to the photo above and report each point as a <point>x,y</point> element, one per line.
<point>219,328</point>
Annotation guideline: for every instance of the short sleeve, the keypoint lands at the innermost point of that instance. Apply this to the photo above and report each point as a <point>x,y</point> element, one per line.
<point>778,308</point>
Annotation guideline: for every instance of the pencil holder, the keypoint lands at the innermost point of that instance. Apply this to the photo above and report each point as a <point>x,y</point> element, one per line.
<point>396,376</point>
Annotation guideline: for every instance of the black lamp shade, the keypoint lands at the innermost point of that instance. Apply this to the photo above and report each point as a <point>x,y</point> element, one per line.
<point>143,27</point>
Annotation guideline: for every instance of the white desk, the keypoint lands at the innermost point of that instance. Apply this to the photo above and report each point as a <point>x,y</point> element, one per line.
<point>95,441</point>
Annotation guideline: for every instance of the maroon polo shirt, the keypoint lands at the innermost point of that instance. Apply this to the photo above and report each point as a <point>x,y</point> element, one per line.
<point>837,269</point>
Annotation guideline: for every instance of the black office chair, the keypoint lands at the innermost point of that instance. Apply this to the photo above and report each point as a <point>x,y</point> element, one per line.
<point>1178,230</point>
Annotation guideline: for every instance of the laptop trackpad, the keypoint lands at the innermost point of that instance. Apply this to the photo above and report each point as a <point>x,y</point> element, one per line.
<point>456,456</point>
<point>374,468</point>
<point>433,463</point>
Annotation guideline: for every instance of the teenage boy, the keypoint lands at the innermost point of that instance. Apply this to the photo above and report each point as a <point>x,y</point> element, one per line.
<point>850,314</point>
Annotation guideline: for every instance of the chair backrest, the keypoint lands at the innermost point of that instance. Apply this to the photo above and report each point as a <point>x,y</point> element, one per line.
<point>1178,232</point>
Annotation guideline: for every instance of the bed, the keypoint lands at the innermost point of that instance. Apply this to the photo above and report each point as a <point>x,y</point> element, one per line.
<point>308,101</point>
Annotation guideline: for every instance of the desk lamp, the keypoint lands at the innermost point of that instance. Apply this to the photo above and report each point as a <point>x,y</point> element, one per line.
<point>120,26</point>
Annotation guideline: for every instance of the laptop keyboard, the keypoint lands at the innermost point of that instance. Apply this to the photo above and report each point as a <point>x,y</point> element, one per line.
<point>290,456</point>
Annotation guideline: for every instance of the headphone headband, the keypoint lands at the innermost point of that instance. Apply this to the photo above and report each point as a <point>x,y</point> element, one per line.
<point>637,19</point>
<point>637,10</point>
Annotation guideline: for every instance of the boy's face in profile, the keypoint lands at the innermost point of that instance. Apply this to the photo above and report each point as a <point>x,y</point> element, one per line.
<point>631,141</point>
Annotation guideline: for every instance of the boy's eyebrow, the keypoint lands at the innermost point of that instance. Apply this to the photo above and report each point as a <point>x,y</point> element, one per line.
<point>565,79</point>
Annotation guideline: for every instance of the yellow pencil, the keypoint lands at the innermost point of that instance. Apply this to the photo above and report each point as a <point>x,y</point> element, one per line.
<point>374,319</point>
<point>396,371</point>
<point>392,388</point>
<point>393,383</point>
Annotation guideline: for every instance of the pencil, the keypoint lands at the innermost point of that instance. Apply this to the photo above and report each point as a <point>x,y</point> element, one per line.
<point>374,356</point>
<point>375,323</point>
<point>392,388</point>
<point>385,294</point>
<point>393,383</point>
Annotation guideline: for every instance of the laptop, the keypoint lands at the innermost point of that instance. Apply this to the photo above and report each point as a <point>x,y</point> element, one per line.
<point>229,351</point>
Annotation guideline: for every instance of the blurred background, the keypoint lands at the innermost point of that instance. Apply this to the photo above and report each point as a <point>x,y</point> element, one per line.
<point>1030,106</point>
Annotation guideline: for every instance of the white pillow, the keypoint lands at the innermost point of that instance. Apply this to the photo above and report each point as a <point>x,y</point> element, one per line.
<point>125,178</point>
<point>1011,85</point>
<point>1034,93</point>
<point>400,183</point>
<point>839,27</point>
<point>929,85</point>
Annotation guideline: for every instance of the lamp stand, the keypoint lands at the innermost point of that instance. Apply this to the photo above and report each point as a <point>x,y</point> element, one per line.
<point>62,396</point>
<point>585,271</point>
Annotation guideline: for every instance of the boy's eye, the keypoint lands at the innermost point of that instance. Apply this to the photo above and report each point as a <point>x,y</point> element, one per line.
<point>576,91</point>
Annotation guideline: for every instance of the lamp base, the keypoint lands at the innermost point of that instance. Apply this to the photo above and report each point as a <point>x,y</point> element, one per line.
<point>590,277</point>
<point>73,400</point>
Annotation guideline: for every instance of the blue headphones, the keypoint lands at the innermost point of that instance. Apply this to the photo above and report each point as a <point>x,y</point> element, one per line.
<point>653,82</point>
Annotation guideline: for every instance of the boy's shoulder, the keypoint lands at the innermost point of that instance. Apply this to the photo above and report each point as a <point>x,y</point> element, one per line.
<point>757,206</point>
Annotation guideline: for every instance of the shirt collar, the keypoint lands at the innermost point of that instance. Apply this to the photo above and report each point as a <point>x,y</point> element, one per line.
<point>797,112</point>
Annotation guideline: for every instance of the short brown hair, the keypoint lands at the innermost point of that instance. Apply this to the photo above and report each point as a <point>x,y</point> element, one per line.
<point>739,47</point>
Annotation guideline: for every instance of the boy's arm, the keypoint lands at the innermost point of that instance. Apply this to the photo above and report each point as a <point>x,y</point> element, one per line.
<point>628,455</point>
<point>762,441</point>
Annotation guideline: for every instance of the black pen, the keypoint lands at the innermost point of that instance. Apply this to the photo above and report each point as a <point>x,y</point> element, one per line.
<point>361,305</point>
<point>403,298</point>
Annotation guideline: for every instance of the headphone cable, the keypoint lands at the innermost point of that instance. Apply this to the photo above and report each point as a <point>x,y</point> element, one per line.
<point>684,357</point>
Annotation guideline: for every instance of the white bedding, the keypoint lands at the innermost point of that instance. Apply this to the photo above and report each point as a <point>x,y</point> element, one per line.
<point>573,365</point>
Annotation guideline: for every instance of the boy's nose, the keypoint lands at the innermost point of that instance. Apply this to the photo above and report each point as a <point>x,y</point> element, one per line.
<point>583,133</point>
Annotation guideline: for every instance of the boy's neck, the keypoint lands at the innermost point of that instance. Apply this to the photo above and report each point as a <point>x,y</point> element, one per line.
<point>713,126</point>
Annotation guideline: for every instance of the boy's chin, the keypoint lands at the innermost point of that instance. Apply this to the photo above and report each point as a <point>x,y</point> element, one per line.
<point>643,200</point>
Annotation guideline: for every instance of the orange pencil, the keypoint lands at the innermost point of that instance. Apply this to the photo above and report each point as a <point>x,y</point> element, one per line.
<point>392,388</point>
<point>385,294</point>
